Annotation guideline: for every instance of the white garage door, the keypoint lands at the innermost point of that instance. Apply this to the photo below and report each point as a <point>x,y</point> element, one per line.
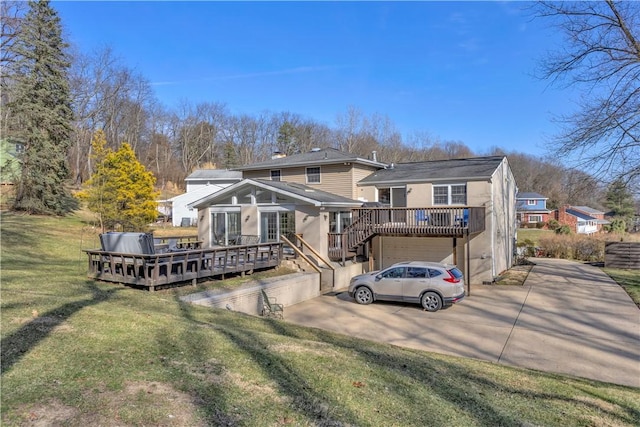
<point>398,249</point>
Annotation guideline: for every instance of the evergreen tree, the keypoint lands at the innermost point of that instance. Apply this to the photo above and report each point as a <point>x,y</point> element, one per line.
<point>286,139</point>
<point>121,191</point>
<point>41,114</point>
<point>620,201</point>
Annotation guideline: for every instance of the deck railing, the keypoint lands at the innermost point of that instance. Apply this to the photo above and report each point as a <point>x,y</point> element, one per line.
<point>427,222</point>
<point>152,270</point>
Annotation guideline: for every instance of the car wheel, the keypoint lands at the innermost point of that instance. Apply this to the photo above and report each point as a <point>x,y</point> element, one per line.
<point>431,301</point>
<point>363,295</point>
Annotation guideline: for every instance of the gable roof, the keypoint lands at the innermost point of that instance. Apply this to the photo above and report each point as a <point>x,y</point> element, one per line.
<point>587,210</point>
<point>312,158</point>
<point>300,192</point>
<point>530,195</point>
<point>214,174</point>
<point>580,215</point>
<point>198,193</point>
<point>475,168</point>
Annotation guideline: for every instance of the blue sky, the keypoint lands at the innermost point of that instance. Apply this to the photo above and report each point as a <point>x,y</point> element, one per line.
<point>460,71</point>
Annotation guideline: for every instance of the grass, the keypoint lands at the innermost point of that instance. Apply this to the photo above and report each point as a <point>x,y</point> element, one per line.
<point>516,275</point>
<point>533,234</point>
<point>77,352</point>
<point>629,280</point>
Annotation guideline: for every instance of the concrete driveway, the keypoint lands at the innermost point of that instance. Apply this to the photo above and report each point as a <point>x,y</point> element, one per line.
<point>568,318</point>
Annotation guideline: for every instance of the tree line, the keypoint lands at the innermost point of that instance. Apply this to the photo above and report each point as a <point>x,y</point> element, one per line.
<point>84,92</point>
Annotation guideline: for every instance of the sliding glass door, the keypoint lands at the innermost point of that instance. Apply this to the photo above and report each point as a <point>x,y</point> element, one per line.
<point>225,228</point>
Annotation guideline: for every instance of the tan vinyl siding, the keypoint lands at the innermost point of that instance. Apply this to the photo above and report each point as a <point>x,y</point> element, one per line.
<point>336,179</point>
<point>340,179</point>
<point>360,172</point>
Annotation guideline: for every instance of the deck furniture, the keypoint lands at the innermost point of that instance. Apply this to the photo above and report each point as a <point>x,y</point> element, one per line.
<point>271,308</point>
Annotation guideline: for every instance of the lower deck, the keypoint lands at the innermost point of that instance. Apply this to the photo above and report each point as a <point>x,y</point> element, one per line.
<point>154,270</point>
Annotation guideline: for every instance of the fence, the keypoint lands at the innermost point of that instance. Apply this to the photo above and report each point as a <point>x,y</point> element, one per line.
<point>622,255</point>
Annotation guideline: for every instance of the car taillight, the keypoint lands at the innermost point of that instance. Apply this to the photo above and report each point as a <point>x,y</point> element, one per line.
<point>451,278</point>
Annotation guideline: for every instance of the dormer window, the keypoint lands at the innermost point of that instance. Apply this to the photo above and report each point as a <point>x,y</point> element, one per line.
<point>313,175</point>
<point>531,202</point>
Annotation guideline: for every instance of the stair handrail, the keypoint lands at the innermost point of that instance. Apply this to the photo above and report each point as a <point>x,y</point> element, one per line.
<point>352,229</point>
<point>302,255</point>
<point>312,249</point>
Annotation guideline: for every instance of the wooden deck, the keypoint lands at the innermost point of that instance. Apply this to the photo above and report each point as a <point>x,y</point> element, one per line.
<point>414,222</point>
<point>168,268</point>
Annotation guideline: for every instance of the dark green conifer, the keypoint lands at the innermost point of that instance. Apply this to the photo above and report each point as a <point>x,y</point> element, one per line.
<point>41,114</point>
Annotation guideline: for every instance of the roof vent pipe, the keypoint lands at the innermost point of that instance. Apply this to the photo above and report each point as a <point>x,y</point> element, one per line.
<point>374,155</point>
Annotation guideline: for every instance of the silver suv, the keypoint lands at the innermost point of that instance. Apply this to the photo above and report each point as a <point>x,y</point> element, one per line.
<point>432,284</point>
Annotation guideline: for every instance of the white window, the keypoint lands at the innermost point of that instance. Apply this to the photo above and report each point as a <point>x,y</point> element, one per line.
<point>531,202</point>
<point>313,175</point>
<point>452,194</point>
<point>275,175</point>
<point>535,218</point>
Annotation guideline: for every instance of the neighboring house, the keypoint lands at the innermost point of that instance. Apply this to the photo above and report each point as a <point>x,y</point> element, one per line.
<point>531,208</point>
<point>200,183</point>
<point>457,211</point>
<point>581,219</point>
<point>204,177</point>
<point>10,161</point>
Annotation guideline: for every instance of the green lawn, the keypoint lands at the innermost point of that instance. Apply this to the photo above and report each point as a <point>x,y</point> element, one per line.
<point>629,280</point>
<point>77,352</point>
<point>533,234</point>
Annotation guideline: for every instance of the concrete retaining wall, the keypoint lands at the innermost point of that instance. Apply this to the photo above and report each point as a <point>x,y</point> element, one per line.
<point>344,274</point>
<point>288,290</point>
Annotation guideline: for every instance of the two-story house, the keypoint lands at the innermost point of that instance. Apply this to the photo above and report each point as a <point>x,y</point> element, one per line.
<point>531,209</point>
<point>457,211</point>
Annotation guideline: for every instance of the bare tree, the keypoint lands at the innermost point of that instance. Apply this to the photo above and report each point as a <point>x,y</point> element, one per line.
<point>241,133</point>
<point>198,132</point>
<point>351,130</point>
<point>107,95</point>
<point>602,58</point>
<point>11,16</point>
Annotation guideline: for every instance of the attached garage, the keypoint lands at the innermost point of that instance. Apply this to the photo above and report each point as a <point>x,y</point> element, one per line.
<point>392,249</point>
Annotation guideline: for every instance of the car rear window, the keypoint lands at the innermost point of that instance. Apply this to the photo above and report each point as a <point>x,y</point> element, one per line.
<point>456,273</point>
<point>434,273</point>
